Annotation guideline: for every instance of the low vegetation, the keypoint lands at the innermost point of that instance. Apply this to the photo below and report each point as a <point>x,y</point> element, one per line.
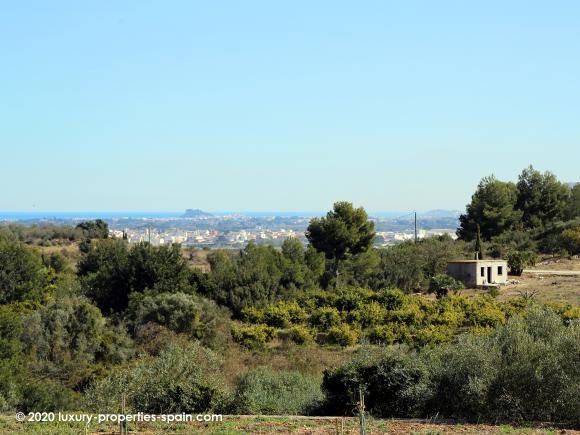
<point>300,330</point>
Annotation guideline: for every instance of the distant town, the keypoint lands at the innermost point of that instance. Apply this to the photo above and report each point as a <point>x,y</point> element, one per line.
<point>238,239</point>
<point>196,228</point>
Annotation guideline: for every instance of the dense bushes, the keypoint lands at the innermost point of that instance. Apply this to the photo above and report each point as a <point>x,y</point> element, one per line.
<point>181,313</point>
<point>22,274</point>
<point>181,379</point>
<point>441,285</point>
<point>343,335</point>
<point>409,266</point>
<point>264,391</point>
<point>259,275</point>
<point>524,371</point>
<point>348,316</point>
<point>252,336</point>
<point>111,270</point>
<point>325,317</point>
<point>518,260</point>
<point>298,334</point>
<point>43,234</point>
<point>570,239</point>
<point>391,381</point>
<point>176,311</point>
<point>67,336</point>
<point>46,396</point>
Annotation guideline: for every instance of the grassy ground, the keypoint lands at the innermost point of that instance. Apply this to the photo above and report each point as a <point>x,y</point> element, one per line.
<point>558,264</point>
<point>541,288</point>
<point>70,251</point>
<point>546,288</point>
<point>197,258</point>
<point>277,425</point>
<point>311,359</point>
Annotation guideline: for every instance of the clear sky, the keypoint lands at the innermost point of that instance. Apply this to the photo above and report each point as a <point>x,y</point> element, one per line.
<point>286,106</point>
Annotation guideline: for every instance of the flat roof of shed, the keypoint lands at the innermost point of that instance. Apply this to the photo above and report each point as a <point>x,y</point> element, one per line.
<point>478,261</point>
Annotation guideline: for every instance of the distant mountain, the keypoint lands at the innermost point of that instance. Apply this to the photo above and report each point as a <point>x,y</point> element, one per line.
<point>439,213</point>
<point>193,213</point>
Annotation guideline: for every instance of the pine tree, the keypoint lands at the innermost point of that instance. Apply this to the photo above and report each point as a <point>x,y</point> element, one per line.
<point>478,249</point>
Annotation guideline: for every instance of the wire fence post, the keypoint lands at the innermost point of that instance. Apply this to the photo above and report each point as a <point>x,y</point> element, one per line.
<point>361,411</point>
<point>123,427</point>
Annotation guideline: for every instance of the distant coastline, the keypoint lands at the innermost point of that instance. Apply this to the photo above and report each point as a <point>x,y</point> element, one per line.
<point>109,215</point>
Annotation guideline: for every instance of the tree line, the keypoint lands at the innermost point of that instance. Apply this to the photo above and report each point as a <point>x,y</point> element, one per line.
<point>537,213</point>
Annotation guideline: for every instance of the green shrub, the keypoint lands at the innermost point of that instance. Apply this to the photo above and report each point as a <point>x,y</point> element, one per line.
<point>518,260</point>
<point>252,336</point>
<point>493,291</point>
<point>394,383</point>
<point>525,370</point>
<point>449,311</point>
<point>57,262</point>
<point>298,334</point>
<point>567,312</point>
<point>538,379</point>
<point>392,299</point>
<point>410,314</point>
<point>22,275</point>
<point>181,379</point>
<point>72,332</point>
<point>325,317</point>
<point>350,299</point>
<point>431,335</point>
<point>343,335</point>
<point>10,332</point>
<point>283,313</point>
<point>484,311</point>
<point>46,396</point>
<point>368,314</point>
<point>389,334</point>
<point>276,316</point>
<point>317,298</point>
<point>182,313</point>
<point>252,315</point>
<point>570,239</point>
<point>175,311</point>
<point>461,375</point>
<point>265,391</point>
<point>442,284</point>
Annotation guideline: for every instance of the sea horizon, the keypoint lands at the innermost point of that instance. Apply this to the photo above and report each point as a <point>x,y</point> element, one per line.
<point>73,215</point>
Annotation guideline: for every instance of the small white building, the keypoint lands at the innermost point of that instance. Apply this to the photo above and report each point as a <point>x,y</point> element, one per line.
<point>475,273</point>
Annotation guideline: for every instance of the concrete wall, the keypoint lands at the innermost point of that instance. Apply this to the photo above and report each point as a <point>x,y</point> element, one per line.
<point>479,273</point>
<point>464,272</point>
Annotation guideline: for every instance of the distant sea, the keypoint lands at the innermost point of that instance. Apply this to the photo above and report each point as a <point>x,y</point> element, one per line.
<point>59,215</point>
<point>108,215</point>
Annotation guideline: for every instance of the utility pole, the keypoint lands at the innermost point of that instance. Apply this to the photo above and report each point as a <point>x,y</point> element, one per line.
<point>415,227</point>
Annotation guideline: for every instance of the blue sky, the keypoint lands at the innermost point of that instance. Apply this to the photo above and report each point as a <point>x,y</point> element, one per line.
<point>287,106</point>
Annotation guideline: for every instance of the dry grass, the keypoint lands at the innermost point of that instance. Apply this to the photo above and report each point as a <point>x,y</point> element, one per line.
<point>558,264</point>
<point>310,359</point>
<point>280,425</point>
<point>545,288</point>
<point>197,258</point>
<point>71,252</point>
<point>542,288</point>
